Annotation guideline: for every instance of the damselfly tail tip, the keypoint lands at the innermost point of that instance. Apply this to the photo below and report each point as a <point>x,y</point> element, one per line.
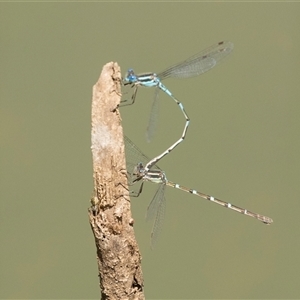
<point>266,220</point>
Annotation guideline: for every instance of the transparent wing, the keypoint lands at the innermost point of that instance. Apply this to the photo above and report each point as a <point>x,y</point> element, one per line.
<point>134,156</point>
<point>157,210</point>
<point>199,63</point>
<point>152,124</point>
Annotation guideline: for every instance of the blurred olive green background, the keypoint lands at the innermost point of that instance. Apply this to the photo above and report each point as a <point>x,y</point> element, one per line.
<point>242,146</point>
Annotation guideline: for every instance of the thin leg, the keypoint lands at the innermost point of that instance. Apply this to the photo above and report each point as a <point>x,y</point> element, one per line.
<point>132,97</point>
<point>136,194</point>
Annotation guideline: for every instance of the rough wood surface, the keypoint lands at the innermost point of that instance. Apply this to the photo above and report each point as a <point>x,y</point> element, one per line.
<point>118,256</point>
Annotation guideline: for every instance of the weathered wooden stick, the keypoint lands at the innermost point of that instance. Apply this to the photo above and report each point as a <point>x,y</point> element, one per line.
<point>118,256</point>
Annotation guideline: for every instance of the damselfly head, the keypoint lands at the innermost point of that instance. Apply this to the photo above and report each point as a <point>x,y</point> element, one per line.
<point>130,77</point>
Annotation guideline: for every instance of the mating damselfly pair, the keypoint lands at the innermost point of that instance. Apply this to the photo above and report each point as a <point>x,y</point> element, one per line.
<point>139,166</point>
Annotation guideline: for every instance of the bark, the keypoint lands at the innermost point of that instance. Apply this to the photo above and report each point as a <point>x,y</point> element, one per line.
<point>118,256</point>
